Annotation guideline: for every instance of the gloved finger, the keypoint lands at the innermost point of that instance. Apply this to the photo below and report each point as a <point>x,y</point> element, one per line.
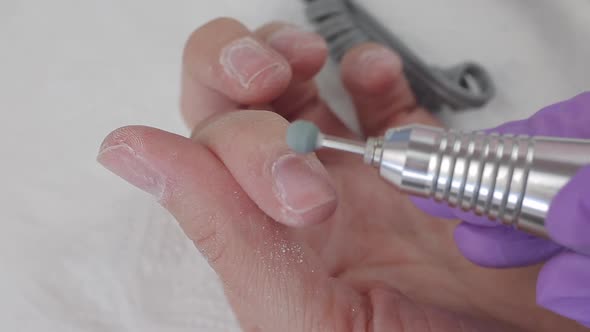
<point>293,189</point>
<point>307,53</point>
<point>443,210</point>
<point>563,286</point>
<point>265,272</point>
<point>568,118</point>
<point>373,75</point>
<point>568,219</point>
<point>225,65</point>
<point>434,208</point>
<point>502,246</point>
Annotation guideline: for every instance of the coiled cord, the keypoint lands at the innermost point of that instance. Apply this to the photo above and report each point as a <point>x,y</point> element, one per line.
<point>344,25</point>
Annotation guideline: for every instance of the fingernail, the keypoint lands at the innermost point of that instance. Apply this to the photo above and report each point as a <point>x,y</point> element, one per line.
<point>293,42</point>
<point>122,160</point>
<point>246,61</point>
<point>303,188</point>
<point>375,61</point>
<point>377,56</point>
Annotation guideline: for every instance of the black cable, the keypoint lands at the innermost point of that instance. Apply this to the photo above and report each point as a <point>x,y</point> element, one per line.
<point>344,25</point>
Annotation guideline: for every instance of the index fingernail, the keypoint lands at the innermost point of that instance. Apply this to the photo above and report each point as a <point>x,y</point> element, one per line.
<point>248,62</point>
<point>304,190</point>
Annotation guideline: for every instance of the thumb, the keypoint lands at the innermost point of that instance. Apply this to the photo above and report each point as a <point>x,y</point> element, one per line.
<point>563,286</point>
<point>568,219</point>
<point>273,282</point>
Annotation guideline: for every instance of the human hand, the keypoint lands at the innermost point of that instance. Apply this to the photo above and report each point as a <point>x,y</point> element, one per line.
<point>564,282</point>
<point>299,244</point>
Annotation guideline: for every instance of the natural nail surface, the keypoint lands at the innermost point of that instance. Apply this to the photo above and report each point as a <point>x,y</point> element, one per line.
<point>248,62</point>
<point>303,188</point>
<point>122,160</point>
<point>374,61</point>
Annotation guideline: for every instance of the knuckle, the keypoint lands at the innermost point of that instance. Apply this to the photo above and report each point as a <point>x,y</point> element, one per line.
<point>343,310</point>
<point>210,242</point>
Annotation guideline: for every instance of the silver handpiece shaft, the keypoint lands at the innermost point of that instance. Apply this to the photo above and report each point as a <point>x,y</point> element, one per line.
<point>511,179</point>
<point>342,144</point>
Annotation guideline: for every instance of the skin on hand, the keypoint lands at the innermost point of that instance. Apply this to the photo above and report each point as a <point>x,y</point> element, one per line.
<point>318,242</point>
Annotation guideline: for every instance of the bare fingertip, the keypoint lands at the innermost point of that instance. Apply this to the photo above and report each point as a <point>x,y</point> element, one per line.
<point>372,68</point>
<point>298,46</point>
<point>122,152</point>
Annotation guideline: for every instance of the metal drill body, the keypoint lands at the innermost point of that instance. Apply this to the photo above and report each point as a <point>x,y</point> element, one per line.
<point>511,179</point>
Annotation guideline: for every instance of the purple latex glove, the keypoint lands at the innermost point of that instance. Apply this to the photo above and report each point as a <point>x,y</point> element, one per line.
<point>563,285</point>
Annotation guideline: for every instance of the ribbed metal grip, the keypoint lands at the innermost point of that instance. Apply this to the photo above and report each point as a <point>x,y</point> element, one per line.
<point>486,174</point>
<point>508,178</point>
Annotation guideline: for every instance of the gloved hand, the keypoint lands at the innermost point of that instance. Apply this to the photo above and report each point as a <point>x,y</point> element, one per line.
<point>563,285</point>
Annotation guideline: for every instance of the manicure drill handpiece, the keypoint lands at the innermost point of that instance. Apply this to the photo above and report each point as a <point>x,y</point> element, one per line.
<point>511,179</point>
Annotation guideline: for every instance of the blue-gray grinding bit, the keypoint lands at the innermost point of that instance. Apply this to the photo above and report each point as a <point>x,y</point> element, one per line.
<point>302,136</point>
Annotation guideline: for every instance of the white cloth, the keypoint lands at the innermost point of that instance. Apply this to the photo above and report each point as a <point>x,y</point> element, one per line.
<point>81,250</point>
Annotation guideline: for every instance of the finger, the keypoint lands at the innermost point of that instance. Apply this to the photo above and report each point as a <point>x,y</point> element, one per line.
<point>303,102</point>
<point>293,189</point>
<point>443,210</point>
<point>502,246</point>
<point>434,208</point>
<point>224,65</point>
<point>568,118</point>
<point>266,274</point>
<point>307,53</point>
<point>374,77</point>
<point>568,219</point>
<point>562,287</point>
